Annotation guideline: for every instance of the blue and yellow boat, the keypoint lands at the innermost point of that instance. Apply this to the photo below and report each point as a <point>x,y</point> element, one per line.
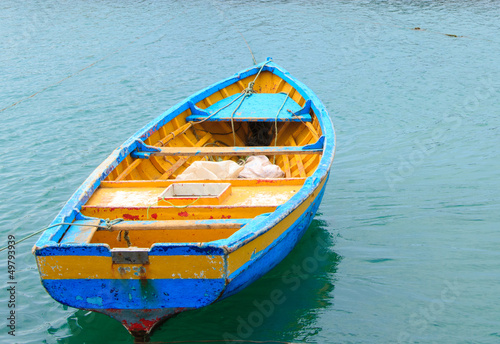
<point>140,244</point>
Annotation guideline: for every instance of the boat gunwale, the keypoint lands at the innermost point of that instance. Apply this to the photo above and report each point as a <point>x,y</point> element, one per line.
<point>51,237</point>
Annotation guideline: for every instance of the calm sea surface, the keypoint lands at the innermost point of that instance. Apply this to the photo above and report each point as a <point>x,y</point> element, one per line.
<point>406,244</point>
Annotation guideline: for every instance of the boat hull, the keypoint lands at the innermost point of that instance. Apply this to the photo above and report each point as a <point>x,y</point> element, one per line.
<point>207,252</point>
<point>140,303</point>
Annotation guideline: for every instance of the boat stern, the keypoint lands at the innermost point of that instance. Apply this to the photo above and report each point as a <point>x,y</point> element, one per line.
<point>138,287</point>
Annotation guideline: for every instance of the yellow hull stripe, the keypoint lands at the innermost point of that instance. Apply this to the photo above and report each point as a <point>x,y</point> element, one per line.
<point>243,254</point>
<point>159,267</point>
<point>166,267</point>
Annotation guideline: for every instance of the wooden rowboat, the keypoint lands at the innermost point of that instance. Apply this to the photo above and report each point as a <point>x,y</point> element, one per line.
<point>121,247</point>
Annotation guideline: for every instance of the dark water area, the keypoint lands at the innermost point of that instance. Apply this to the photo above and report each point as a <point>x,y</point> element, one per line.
<point>405,246</point>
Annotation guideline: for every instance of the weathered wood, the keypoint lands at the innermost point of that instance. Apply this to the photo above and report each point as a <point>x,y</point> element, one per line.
<point>184,268</point>
<point>312,129</point>
<point>234,151</point>
<point>242,86</point>
<point>76,233</point>
<point>173,168</point>
<point>171,213</point>
<point>234,182</point>
<point>311,163</point>
<point>280,85</point>
<point>298,160</point>
<point>174,134</point>
<point>208,102</point>
<point>182,160</point>
<point>129,169</point>
<point>286,166</point>
<point>227,128</point>
<point>172,225</point>
<point>157,164</point>
<point>225,92</point>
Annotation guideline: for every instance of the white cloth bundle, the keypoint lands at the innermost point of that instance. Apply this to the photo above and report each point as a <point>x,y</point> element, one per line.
<point>259,166</point>
<point>211,170</point>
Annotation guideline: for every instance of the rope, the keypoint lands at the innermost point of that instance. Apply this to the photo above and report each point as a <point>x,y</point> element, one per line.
<point>232,115</point>
<point>215,143</point>
<point>222,108</point>
<point>125,236</point>
<point>90,65</point>
<point>250,85</point>
<point>247,93</point>
<point>295,115</point>
<point>107,226</point>
<point>230,22</point>
<point>276,124</point>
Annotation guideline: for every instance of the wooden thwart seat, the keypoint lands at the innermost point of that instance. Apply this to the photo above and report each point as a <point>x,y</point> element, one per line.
<point>257,107</point>
<point>234,182</point>
<point>230,151</point>
<point>178,224</point>
<point>171,213</point>
<point>143,151</point>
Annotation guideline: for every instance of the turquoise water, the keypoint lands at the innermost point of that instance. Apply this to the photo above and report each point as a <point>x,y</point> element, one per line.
<point>405,247</point>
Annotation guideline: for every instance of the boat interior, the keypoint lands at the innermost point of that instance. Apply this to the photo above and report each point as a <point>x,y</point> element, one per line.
<point>281,124</point>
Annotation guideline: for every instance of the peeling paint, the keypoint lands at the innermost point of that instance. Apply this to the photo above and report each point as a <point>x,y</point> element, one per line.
<point>96,300</point>
<point>130,217</point>
<point>140,304</point>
